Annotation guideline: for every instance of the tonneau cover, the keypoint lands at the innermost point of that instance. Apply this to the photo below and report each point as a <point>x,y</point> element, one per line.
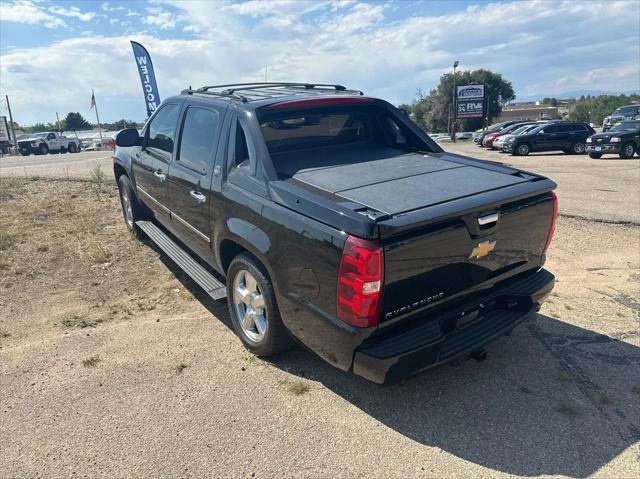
<point>394,182</point>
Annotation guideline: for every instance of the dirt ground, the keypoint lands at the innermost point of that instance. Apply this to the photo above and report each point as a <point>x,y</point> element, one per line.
<point>113,364</point>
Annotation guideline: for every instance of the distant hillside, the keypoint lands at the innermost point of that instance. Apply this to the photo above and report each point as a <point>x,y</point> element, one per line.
<point>573,94</point>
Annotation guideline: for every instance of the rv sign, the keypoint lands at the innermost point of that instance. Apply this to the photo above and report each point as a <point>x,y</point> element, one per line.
<point>470,101</point>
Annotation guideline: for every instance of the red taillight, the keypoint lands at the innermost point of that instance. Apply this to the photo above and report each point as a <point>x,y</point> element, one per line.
<point>360,282</point>
<point>332,101</point>
<point>552,229</point>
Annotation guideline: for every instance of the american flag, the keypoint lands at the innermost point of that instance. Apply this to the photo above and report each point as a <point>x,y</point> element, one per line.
<point>93,100</point>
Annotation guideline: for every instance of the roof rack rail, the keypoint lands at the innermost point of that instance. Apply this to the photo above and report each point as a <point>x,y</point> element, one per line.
<point>231,90</point>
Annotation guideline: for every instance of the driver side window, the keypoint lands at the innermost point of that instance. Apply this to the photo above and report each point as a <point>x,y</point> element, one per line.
<point>162,129</point>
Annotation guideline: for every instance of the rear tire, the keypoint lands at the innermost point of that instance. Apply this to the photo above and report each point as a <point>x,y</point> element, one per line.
<point>73,148</point>
<point>44,149</point>
<point>132,210</point>
<point>578,148</point>
<point>627,151</point>
<point>253,308</point>
<point>522,149</point>
<point>595,156</point>
<point>25,154</point>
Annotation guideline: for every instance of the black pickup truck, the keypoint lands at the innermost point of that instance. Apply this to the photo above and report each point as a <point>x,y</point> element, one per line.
<point>622,139</point>
<point>337,222</point>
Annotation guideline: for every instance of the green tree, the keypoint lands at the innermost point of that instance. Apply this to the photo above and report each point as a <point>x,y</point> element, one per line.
<point>37,128</point>
<point>593,109</point>
<point>433,111</point>
<point>75,121</point>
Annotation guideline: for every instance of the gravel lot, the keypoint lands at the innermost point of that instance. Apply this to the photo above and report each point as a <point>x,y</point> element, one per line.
<point>113,364</point>
<point>606,189</point>
<point>68,165</point>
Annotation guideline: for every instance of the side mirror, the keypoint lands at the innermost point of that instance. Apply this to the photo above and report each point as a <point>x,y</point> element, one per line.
<point>128,137</point>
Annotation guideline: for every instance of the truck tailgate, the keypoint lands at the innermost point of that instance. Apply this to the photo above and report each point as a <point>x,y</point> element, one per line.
<point>435,262</point>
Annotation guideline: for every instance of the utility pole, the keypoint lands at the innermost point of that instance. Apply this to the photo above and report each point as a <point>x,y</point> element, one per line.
<point>58,119</point>
<point>455,102</point>
<point>13,131</point>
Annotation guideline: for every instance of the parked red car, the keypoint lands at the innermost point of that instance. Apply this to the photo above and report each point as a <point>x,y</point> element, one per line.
<point>488,140</point>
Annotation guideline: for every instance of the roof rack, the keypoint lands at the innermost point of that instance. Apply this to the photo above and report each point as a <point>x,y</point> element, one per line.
<point>259,91</point>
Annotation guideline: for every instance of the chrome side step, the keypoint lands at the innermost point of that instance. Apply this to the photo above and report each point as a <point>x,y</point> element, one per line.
<point>200,275</point>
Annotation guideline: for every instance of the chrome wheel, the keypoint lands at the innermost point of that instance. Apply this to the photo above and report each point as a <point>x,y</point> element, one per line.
<point>249,306</point>
<point>523,150</point>
<point>578,148</point>
<point>126,207</point>
<point>627,151</point>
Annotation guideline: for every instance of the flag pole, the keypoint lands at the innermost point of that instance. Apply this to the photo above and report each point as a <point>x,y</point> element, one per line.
<point>95,104</point>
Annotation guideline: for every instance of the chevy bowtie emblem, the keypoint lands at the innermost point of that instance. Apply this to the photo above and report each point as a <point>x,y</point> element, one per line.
<point>483,249</point>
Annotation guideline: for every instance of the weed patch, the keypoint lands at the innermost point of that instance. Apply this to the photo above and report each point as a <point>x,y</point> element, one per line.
<point>568,409</point>
<point>91,362</point>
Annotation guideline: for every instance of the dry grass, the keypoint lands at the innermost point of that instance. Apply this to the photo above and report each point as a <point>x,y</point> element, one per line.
<point>73,253</point>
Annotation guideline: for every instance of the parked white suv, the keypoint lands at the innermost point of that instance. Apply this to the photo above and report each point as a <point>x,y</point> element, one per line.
<point>48,142</point>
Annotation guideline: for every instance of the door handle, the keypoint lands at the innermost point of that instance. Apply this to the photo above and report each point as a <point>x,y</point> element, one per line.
<point>158,174</point>
<point>196,195</point>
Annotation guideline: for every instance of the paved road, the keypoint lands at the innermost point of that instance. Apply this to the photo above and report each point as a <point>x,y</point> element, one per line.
<point>55,165</point>
<point>607,189</point>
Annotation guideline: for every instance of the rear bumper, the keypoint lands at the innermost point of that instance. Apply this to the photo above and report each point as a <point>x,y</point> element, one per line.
<point>453,334</point>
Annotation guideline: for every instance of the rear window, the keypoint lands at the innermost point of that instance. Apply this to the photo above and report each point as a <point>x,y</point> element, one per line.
<point>335,126</point>
<point>315,129</point>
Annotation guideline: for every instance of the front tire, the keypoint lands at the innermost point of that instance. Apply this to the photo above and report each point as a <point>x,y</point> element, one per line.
<point>595,156</point>
<point>73,148</point>
<point>132,210</point>
<point>253,308</point>
<point>627,150</point>
<point>522,150</point>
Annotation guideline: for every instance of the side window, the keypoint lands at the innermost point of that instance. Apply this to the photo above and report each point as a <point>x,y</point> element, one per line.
<point>162,129</point>
<point>242,155</point>
<point>199,139</point>
<point>551,129</point>
<point>51,136</point>
<point>397,136</point>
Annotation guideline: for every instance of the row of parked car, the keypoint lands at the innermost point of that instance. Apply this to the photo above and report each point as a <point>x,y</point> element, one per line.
<point>524,137</point>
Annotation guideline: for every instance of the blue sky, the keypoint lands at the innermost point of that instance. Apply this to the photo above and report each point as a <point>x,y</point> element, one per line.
<point>52,53</point>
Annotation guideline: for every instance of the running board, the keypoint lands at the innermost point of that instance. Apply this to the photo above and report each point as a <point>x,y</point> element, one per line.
<point>200,275</point>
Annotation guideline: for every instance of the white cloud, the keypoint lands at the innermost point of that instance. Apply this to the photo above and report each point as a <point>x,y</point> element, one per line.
<point>160,18</point>
<point>25,11</point>
<point>530,43</point>
<point>73,12</point>
<point>107,7</point>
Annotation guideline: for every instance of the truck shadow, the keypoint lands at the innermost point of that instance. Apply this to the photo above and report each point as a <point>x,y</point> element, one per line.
<point>552,398</point>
